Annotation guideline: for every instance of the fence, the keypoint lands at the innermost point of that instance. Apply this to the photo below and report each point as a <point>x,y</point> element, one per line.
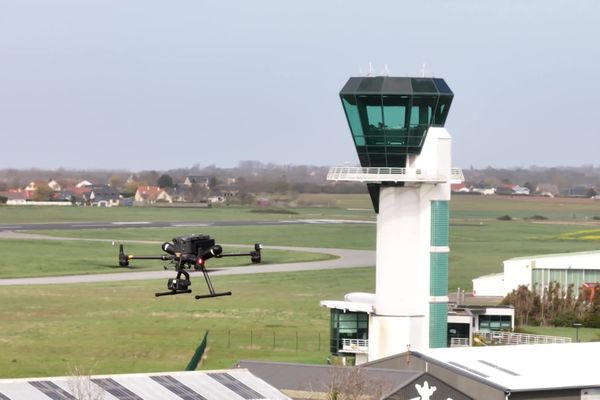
<point>269,339</point>
<point>519,338</point>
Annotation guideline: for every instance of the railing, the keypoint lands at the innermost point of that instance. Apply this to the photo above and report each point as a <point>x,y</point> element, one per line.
<point>355,345</point>
<point>497,337</point>
<point>388,174</point>
<point>459,342</point>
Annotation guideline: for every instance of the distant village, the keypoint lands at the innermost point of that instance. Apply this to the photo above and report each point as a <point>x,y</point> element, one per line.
<point>543,189</point>
<point>255,183</point>
<point>194,189</point>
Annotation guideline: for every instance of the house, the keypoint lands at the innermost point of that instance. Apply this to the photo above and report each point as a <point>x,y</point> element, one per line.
<point>150,195</point>
<point>486,191</point>
<point>459,188</point>
<point>547,189</point>
<point>513,190</point>
<point>521,190</point>
<point>581,191</point>
<point>83,183</point>
<point>103,196</point>
<point>15,197</point>
<point>34,185</point>
<point>198,180</point>
<point>178,194</point>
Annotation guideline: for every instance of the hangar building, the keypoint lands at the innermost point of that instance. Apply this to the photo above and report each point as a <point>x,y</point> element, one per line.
<point>538,271</point>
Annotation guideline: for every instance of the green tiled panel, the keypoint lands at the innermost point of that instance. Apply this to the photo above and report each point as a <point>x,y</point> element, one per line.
<point>438,325</point>
<point>438,274</point>
<point>439,223</point>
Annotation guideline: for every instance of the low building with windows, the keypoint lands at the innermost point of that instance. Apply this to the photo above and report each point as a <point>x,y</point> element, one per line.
<point>350,318</point>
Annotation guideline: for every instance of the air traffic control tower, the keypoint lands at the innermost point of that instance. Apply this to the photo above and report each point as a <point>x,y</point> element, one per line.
<point>397,125</point>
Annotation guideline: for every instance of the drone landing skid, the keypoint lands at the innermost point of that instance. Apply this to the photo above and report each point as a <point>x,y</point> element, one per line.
<point>206,296</point>
<point>172,292</point>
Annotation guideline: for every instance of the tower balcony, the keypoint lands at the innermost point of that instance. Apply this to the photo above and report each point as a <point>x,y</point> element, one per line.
<point>392,174</point>
<point>355,346</point>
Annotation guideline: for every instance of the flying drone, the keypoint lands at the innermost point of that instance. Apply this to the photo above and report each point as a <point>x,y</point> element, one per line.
<point>190,252</point>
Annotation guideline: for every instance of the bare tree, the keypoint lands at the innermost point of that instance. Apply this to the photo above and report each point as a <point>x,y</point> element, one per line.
<point>353,384</point>
<point>82,387</point>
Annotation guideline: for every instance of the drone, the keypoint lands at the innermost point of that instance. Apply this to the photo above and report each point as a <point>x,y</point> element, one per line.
<point>190,252</point>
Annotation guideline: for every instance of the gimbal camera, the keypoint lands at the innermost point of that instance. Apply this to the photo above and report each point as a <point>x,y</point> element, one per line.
<point>187,252</point>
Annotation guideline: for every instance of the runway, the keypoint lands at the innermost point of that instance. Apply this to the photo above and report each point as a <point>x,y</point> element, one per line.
<point>345,258</point>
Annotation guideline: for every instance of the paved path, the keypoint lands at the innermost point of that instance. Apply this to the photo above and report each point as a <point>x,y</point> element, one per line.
<point>346,259</point>
<point>170,224</point>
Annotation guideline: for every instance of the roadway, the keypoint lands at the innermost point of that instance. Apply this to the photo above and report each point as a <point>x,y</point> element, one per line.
<point>168,224</point>
<point>345,258</point>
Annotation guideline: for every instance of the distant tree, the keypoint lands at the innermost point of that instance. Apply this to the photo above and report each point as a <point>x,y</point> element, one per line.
<point>591,193</point>
<point>198,192</point>
<point>3,200</point>
<point>43,193</point>
<point>530,186</point>
<point>213,182</point>
<point>164,181</point>
<point>116,181</point>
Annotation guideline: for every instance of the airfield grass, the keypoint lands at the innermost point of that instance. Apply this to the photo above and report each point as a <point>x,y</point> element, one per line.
<point>29,258</point>
<point>342,236</point>
<point>48,214</point>
<point>585,334</point>
<point>121,328</point>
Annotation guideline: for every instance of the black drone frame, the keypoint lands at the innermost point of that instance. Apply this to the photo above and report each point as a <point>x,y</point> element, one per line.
<point>190,253</point>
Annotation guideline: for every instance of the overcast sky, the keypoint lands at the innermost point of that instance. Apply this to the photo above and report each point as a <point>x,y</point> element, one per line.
<point>142,84</point>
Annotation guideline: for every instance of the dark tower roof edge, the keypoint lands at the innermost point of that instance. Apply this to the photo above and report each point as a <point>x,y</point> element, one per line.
<point>396,85</point>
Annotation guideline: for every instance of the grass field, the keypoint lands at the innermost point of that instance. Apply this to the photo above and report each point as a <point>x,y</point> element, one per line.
<point>76,257</point>
<point>121,327</point>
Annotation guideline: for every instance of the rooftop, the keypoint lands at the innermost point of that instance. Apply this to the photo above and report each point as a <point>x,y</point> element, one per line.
<point>524,367</point>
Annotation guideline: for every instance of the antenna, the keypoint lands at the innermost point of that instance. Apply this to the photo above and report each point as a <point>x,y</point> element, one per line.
<point>386,70</point>
<point>423,70</point>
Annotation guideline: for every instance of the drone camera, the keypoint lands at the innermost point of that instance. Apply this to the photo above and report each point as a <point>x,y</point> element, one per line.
<point>123,258</point>
<point>178,285</point>
<point>255,256</point>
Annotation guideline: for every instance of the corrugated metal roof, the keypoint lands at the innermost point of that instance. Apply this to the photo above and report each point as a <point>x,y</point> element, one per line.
<point>572,254</point>
<point>525,367</point>
<point>235,384</point>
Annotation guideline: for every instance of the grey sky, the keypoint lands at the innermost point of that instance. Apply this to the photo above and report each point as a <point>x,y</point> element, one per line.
<point>144,84</point>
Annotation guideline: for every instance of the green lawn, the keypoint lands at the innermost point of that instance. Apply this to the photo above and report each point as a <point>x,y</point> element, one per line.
<point>121,327</point>
<point>29,258</point>
<point>346,236</point>
<point>41,214</point>
<point>585,334</point>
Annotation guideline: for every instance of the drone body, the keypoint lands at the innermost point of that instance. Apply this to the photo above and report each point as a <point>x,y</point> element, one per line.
<point>186,252</point>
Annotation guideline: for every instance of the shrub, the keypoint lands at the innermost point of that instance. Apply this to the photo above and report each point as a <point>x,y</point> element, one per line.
<point>504,218</point>
<point>538,218</point>
<point>566,318</point>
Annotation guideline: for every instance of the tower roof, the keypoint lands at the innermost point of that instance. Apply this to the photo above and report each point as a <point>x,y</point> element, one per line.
<point>389,85</point>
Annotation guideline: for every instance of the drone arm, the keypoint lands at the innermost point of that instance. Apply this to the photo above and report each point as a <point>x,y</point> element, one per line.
<point>255,255</point>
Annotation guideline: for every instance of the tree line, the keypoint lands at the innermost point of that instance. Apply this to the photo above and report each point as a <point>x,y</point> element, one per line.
<point>555,305</point>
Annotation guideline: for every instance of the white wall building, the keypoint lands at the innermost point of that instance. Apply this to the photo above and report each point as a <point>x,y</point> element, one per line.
<point>539,270</point>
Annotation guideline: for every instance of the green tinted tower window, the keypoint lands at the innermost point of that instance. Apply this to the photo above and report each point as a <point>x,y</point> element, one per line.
<point>389,116</point>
